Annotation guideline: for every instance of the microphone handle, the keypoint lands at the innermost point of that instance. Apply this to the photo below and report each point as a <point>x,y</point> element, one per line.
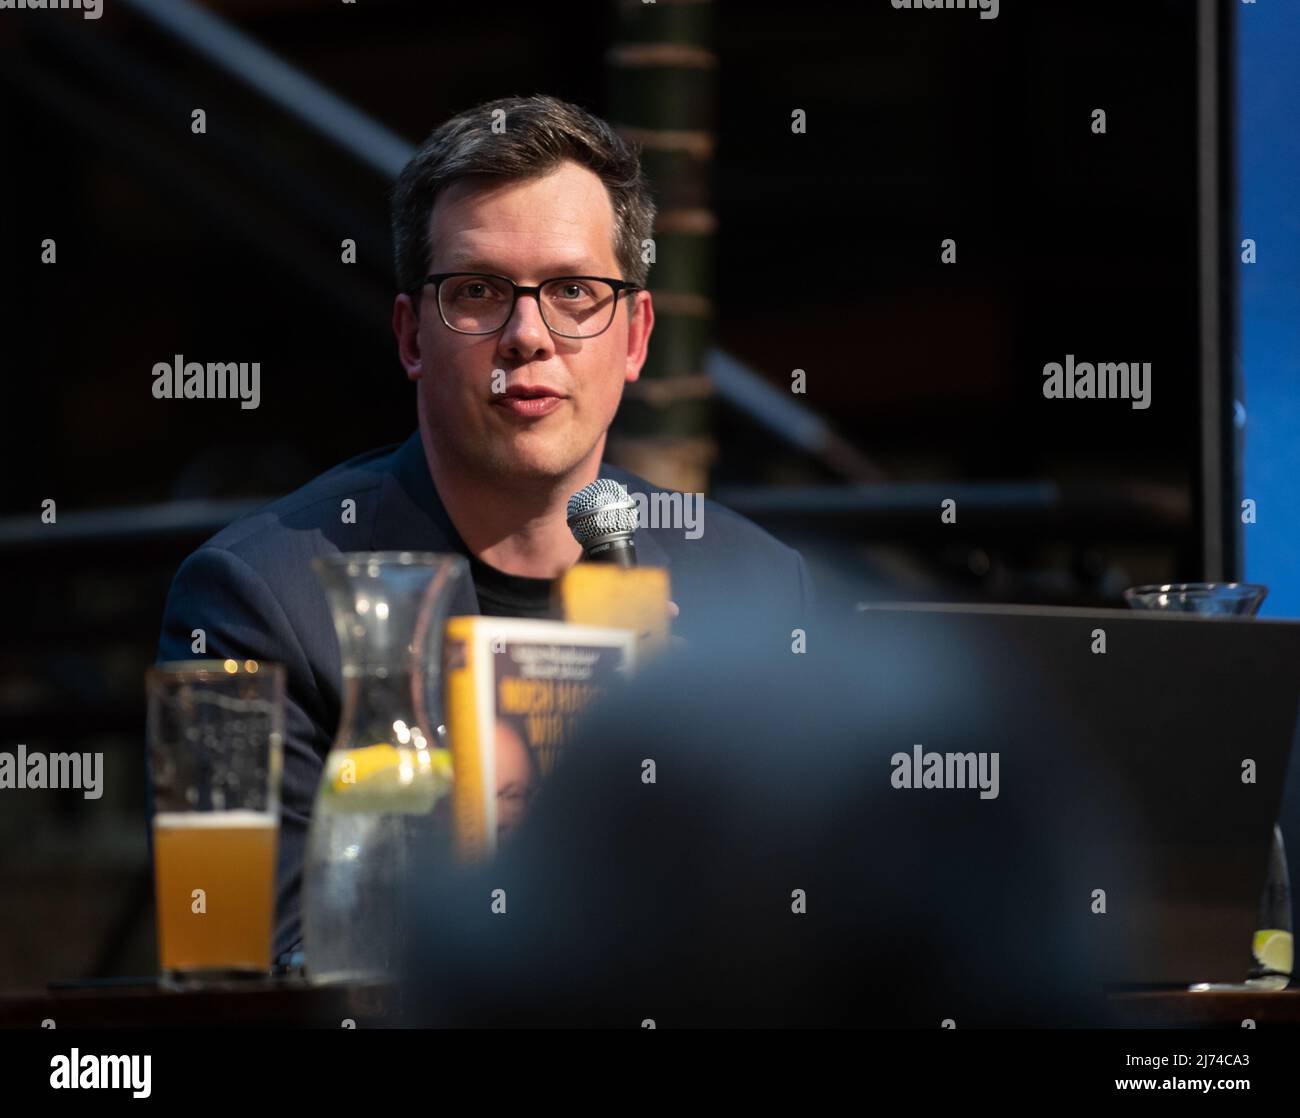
<point>620,551</point>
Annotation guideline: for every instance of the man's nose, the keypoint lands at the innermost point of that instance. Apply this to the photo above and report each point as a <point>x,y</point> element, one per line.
<point>525,334</point>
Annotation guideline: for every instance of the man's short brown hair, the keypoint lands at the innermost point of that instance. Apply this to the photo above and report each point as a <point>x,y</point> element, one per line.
<point>540,133</point>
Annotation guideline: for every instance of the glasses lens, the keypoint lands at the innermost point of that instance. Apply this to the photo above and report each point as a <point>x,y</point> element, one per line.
<point>578,308</point>
<point>474,304</point>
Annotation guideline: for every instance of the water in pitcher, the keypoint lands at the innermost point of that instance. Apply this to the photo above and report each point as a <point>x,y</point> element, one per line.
<point>375,806</point>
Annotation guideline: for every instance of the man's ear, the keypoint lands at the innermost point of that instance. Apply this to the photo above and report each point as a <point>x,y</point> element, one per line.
<point>406,329</point>
<point>638,335</point>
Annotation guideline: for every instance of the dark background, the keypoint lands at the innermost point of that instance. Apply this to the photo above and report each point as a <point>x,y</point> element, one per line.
<point>225,247</point>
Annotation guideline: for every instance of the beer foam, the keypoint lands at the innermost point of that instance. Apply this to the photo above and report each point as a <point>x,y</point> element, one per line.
<point>183,820</point>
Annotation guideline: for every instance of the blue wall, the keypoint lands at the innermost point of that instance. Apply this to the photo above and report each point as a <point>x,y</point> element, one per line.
<point>1269,200</point>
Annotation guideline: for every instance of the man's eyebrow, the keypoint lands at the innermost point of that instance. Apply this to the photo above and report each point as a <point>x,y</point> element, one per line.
<point>478,264</point>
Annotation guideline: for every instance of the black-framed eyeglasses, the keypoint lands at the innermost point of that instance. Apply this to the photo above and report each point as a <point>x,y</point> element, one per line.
<point>571,306</point>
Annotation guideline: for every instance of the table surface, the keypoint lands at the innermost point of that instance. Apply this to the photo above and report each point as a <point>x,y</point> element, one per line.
<point>273,1003</point>
<point>295,1003</point>
<point>1205,1009</point>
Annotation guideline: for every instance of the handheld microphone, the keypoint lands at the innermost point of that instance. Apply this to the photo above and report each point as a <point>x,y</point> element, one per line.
<point>603,518</point>
<point>610,590</point>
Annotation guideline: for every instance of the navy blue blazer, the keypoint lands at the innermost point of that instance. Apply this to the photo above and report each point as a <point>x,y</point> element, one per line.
<point>252,590</point>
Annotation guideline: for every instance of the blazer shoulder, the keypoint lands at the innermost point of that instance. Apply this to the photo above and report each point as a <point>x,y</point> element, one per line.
<point>313,512</point>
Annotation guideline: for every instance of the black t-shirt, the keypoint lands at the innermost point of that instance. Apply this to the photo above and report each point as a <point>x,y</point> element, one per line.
<point>503,595</point>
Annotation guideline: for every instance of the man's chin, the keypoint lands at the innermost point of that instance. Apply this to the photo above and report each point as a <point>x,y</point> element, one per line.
<point>532,470</point>
<point>539,463</point>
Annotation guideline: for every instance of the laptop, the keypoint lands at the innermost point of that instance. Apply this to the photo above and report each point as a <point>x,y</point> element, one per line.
<point>1186,725</point>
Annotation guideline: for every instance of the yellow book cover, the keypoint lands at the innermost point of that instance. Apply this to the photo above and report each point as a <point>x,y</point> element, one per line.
<point>514,691</point>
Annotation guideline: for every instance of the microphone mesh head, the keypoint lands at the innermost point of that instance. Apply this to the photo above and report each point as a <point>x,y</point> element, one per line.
<point>602,508</point>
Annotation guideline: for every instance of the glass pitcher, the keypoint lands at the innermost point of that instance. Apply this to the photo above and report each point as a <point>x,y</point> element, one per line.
<point>384,791</point>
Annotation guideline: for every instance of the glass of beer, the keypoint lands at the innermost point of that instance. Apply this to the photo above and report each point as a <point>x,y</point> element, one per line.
<point>215,739</point>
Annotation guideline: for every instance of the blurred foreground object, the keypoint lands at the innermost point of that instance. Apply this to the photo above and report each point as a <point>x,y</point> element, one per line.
<point>722,846</point>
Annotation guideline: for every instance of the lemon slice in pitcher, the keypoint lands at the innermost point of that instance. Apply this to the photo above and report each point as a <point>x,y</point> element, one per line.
<point>384,778</point>
<point>1275,950</point>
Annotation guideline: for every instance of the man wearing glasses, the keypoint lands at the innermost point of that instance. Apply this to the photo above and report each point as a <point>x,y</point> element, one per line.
<point>521,314</point>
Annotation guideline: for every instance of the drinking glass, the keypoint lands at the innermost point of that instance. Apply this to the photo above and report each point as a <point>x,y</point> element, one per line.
<point>215,734</point>
<point>1271,950</point>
